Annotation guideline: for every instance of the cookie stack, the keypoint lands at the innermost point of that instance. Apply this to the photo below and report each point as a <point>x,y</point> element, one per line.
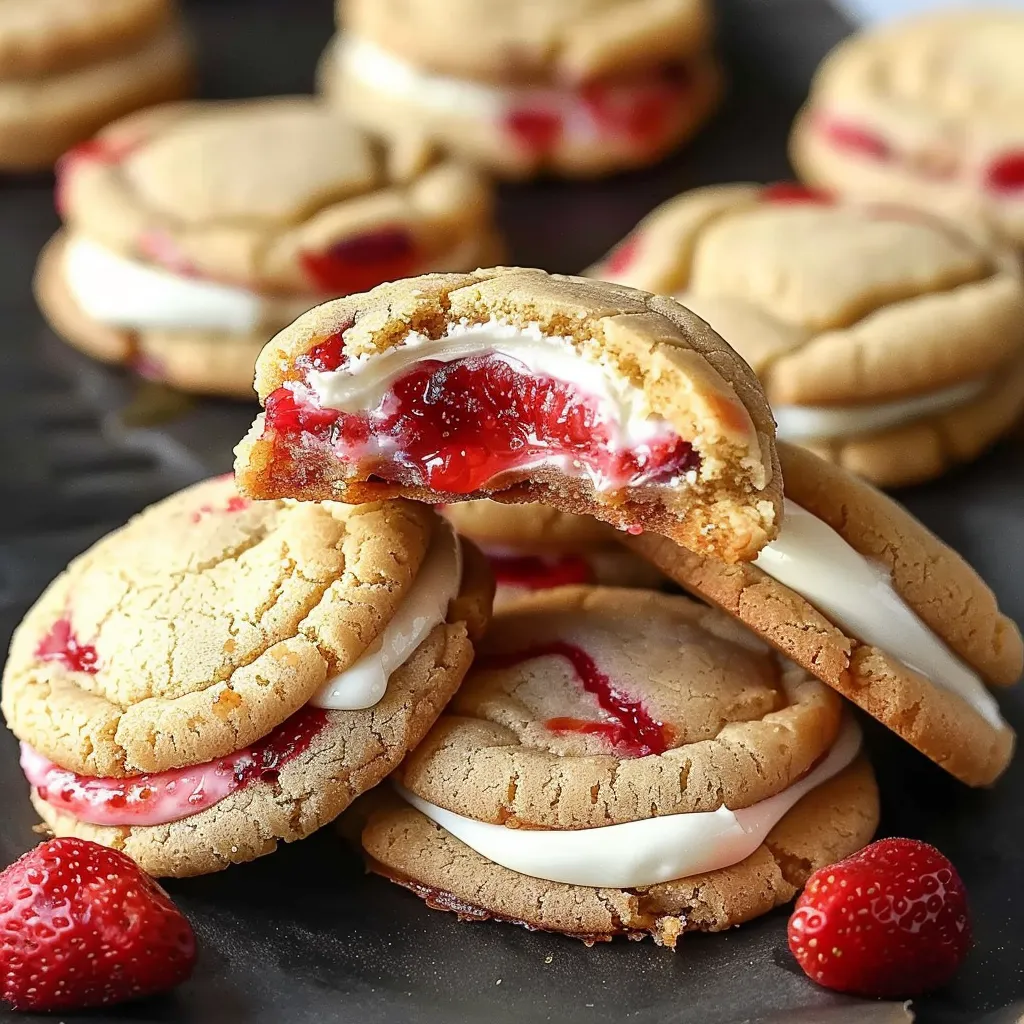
<point>66,69</point>
<point>617,761</point>
<point>194,231</point>
<point>578,89</point>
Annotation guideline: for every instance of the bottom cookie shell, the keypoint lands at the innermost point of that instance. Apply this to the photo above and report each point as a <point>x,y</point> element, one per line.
<point>831,822</point>
<point>349,754</point>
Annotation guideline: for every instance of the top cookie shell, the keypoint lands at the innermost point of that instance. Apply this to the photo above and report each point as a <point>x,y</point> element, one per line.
<point>202,624</point>
<point>261,192</point>
<point>832,301</point>
<point>40,36</point>
<point>687,374</point>
<point>526,741</point>
<point>520,40</point>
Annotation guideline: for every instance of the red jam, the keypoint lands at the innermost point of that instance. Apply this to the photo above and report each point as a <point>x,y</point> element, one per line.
<point>456,426</point>
<point>537,573</point>
<point>62,646</point>
<point>101,151</point>
<point>537,131</point>
<point>1006,174</point>
<point>623,256</point>
<point>639,110</point>
<point>632,731</point>
<point>163,797</point>
<point>360,263</point>
<point>844,135</point>
<point>791,192</point>
<point>236,503</point>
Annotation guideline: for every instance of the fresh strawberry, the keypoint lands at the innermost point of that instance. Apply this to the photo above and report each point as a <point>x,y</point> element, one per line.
<point>891,921</point>
<point>81,926</point>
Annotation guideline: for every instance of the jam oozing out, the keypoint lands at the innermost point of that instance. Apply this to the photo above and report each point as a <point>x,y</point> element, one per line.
<point>236,503</point>
<point>791,192</point>
<point>535,130</point>
<point>638,110</point>
<point>172,795</point>
<point>359,263</point>
<point>632,732</point>
<point>63,646</point>
<point>852,137</point>
<point>533,572</point>
<point>455,426</point>
<point>1006,174</point>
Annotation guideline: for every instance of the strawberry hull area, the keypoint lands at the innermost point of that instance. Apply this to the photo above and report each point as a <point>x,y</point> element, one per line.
<point>305,935</point>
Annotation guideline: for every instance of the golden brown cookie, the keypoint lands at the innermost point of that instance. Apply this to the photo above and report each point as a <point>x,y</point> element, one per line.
<point>535,547</point>
<point>219,223</point>
<point>521,386</point>
<point>625,751</point>
<point>923,111</point>
<point>863,596</point>
<point>886,339</point>
<point>66,69</point>
<point>244,653</point>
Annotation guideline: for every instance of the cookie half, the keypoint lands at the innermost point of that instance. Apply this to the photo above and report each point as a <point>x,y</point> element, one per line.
<point>887,340</point>
<point>618,766</point>
<point>521,386</point>
<point>923,111</point>
<point>864,597</point>
<point>534,547</point>
<point>219,674</point>
<point>216,224</point>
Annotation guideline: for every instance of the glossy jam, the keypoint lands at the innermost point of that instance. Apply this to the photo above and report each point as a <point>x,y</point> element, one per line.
<point>1006,174</point>
<point>631,732</point>
<point>533,572</point>
<point>63,646</point>
<point>791,192</point>
<point>360,263</point>
<point>172,795</point>
<point>534,130</point>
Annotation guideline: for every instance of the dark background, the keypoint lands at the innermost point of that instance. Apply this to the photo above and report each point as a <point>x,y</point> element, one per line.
<point>302,936</point>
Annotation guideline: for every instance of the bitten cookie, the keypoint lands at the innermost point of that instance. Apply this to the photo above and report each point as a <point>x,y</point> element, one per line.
<point>863,596</point>
<point>220,675</point>
<point>521,386</point>
<point>195,231</point>
<point>66,69</point>
<point>574,87</point>
<point>535,547</point>
<point>924,111</point>
<point>887,340</point>
<point>631,766</point>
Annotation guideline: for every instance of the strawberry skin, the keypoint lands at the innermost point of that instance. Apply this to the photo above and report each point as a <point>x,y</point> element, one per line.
<point>891,922</point>
<point>82,926</point>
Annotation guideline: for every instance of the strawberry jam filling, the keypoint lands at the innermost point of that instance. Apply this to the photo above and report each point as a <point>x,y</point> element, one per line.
<point>1006,174</point>
<point>65,648</point>
<point>163,797</point>
<point>235,503</point>
<point>627,726</point>
<point>457,426</point>
<point>791,192</point>
<point>854,138</point>
<point>535,572</point>
<point>359,263</point>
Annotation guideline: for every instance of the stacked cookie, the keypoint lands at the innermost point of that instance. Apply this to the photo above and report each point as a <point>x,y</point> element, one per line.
<point>195,231</point>
<point>576,88</point>
<point>66,69</point>
<point>888,340</point>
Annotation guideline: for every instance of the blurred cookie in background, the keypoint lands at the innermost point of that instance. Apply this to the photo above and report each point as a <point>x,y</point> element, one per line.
<point>888,340</point>
<point>193,232</point>
<point>535,547</point>
<point>68,67</point>
<point>924,111</point>
<point>570,87</point>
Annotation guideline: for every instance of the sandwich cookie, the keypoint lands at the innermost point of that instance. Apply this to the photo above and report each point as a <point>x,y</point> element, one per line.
<point>195,231</point>
<point>573,87</point>
<point>535,547</point>
<point>66,69</point>
<point>887,340</point>
<point>864,597</point>
<point>221,675</point>
<point>924,111</point>
<point>631,766</point>
<point>522,386</point>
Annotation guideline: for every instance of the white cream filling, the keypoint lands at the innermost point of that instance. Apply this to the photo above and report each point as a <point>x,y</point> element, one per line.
<point>823,422</point>
<point>363,684</point>
<point>117,291</point>
<point>640,852</point>
<point>858,595</point>
<point>364,382</point>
